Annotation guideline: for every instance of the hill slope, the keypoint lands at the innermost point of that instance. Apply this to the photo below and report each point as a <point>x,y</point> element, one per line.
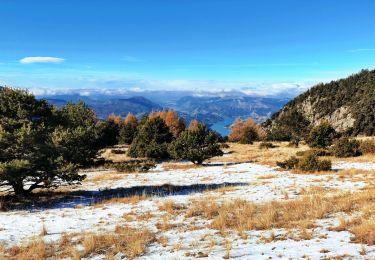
<point>220,108</point>
<point>348,104</point>
<point>104,107</point>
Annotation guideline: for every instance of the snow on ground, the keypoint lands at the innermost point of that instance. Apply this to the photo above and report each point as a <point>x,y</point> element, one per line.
<point>248,181</point>
<point>354,165</point>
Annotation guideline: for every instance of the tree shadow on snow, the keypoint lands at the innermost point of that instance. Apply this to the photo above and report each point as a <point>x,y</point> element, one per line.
<point>55,200</point>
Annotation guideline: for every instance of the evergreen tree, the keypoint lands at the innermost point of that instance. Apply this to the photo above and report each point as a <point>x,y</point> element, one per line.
<point>128,129</point>
<point>196,145</point>
<point>31,155</point>
<point>322,135</point>
<point>151,140</point>
<point>109,132</point>
<point>78,136</point>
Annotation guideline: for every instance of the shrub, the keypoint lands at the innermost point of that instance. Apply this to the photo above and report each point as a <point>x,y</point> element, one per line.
<point>196,145</point>
<point>367,146</point>
<point>317,152</point>
<point>288,164</point>
<point>118,151</point>
<point>344,147</point>
<point>321,136</point>
<point>132,165</point>
<point>294,143</point>
<point>309,162</point>
<point>266,145</point>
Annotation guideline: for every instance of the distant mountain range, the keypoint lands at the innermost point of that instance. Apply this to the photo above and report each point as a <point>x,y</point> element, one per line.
<point>209,108</point>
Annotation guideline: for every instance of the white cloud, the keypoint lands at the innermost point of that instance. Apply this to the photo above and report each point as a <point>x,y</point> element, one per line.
<point>39,59</point>
<point>194,87</point>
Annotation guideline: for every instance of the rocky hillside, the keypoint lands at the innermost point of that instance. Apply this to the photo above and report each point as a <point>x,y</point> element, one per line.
<point>348,104</point>
<point>220,108</point>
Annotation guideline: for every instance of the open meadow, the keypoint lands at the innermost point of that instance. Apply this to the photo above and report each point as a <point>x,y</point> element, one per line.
<point>238,206</point>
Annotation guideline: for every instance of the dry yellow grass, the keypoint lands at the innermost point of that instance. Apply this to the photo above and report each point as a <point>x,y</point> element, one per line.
<point>268,176</point>
<point>145,216</point>
<point>131,242</point>
<point>126,200</point>
<point>165,224</point>
<point>180,166</point>
<point>126,240</point>
<point>35,250</point>
<point>103,177</point>
<point>170,207</point>
<point>162,241</point>
<point>44,231</point>
<point>251,152</point>
<point>206,207</point>
<point>222,190</point>
<point>38,249</point>
<point>108,155</point>
<point>364,231</point>
<point>301,213</point>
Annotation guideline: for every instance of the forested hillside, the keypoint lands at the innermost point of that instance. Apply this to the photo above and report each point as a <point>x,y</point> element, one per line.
<point>348,104</point>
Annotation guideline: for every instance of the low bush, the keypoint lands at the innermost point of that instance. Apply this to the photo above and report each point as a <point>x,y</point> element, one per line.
<point>266,145</point>
<point>224,146</point>
<point>132,165</point>
<point>317,152</point>
<point>321,136</point>
<point>367,146</point>
<point>290,163</point>
<point>344,147</point>
<point>118,151</point>
<point>294,143</point>
<point>309,162</point>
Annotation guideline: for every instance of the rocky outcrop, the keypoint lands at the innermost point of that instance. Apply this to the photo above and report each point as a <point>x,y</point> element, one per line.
<point>347,104</point>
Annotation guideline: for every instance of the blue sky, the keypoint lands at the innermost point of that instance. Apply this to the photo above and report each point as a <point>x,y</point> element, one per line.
<point>261,47</point>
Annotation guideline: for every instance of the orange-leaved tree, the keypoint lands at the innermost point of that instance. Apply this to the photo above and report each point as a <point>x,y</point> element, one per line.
<point>245,131</point>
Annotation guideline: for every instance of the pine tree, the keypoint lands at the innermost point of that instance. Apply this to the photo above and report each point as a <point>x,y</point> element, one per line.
<point>196,145</point>
<point>38,144</point>
<point>128,129</point>
<point>78,135</point>
<point>109,131</point>
<point>322,135</point>
<point>151,140</point>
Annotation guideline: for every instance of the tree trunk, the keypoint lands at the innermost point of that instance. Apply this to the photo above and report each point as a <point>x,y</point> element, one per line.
<point>19,190</point>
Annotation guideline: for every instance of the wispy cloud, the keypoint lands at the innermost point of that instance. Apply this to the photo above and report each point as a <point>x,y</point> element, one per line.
<point>362,50</point>
<point>39,59</point>
<point>195,87</point>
